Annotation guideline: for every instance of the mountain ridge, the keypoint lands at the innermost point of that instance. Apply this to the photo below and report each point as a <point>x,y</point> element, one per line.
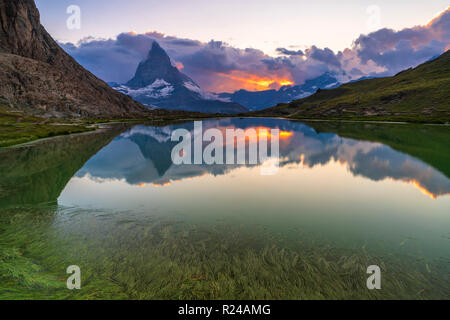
<point>418,94</point>
<point>259,100</point>
<point>157,65</point>
<point>37,74</point>
<point>159,84</point>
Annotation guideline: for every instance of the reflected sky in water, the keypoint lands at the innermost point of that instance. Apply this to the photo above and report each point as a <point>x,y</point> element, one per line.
<point>142,157</point>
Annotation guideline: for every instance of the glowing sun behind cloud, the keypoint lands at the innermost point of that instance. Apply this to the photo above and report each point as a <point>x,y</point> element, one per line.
<point>242,80</point>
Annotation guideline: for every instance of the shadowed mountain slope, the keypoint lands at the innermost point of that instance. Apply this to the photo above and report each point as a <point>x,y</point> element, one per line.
<point>37,74</point>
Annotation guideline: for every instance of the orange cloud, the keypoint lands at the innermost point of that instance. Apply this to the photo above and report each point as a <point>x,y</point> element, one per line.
<point>437,17</point>
<point>179,65</point>
<point>422,189</point>
<point>237,80</point>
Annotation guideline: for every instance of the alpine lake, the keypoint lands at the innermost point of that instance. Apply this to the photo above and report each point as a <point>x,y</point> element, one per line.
<point>346,196</point>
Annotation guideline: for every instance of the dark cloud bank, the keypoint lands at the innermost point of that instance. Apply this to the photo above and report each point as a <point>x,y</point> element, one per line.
<point>384,52</point>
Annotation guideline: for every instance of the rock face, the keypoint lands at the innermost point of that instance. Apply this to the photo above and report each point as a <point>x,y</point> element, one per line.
<point>157,83</point>
<point>37,74</point>
<point>157,66</point>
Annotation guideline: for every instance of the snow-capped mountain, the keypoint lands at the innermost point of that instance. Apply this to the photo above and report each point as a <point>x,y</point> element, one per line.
<point>259,100</point>
<point>158,84</point>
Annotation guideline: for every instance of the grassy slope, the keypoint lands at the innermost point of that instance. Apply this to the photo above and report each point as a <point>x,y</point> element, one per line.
<point>415,95</point>
<point>18,126</point>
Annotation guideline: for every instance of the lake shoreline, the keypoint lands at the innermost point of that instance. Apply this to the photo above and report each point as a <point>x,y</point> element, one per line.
<point>39,129</point>
<point>93,126</point>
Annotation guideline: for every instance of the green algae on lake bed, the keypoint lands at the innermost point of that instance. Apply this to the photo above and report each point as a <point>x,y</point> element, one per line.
<point>123,259</point>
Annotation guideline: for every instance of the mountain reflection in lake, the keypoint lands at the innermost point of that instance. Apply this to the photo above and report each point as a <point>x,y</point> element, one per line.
<point>142,156</point>
<point>146,228</point>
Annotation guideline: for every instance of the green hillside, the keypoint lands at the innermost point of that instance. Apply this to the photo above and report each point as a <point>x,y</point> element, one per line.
<point>415,95</point>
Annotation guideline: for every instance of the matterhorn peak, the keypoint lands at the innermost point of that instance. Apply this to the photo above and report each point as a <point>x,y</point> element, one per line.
<point>158,83</point>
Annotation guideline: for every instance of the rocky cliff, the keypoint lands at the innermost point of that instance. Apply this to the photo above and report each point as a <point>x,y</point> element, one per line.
<point>38,75</point>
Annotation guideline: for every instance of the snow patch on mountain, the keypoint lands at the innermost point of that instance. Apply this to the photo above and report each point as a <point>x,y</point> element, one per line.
<point>332,85</point>
<point>193,87</point>
<point>205,95</point>
<point>259,100</point>
<point>302,95</point>
<point>158,89</point>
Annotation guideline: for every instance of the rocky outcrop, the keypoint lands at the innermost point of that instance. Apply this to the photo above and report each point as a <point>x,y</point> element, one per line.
<point>157,66</point>
<point>36,73</point>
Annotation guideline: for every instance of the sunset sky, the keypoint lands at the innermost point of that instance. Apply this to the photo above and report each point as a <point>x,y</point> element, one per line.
<point>309,36</point>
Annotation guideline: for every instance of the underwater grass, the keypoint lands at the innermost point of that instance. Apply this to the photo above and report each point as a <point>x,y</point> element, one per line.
<point>124,258</point>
